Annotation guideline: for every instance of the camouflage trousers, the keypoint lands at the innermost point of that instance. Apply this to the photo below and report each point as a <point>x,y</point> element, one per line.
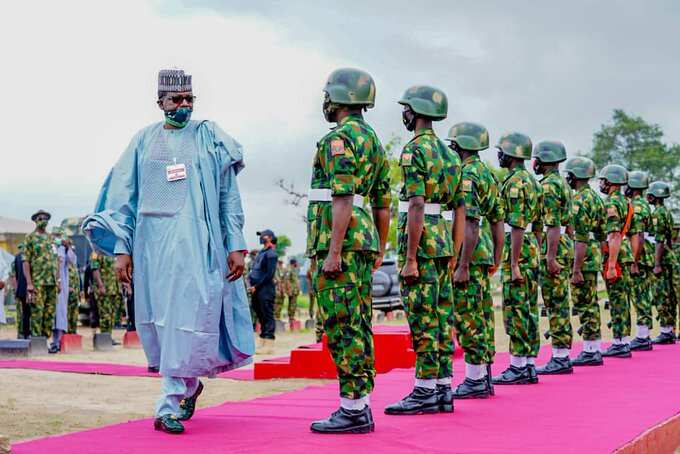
<point>489,319</point>
<point>520,311</point>
<point>470,318</point>
<point>279,300</point>
<point>107,305</point>
<point>42,310</point>
<point>587,307</point>
<point>555,292</point>
<point>316,315</point>
<point>667,305</point>
<point>619,304</point>
<point>534,334</point>
<point>642,296</point>
<point>429,310</point>
<point>72,312</point>
<point>292,305</point>
<point>346,309</point>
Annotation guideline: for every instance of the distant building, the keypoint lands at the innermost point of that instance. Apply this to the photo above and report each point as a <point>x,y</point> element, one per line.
<point>12,232</point>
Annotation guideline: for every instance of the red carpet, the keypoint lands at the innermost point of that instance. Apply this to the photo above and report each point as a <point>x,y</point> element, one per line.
<point>595,410</point>
<point>120,370</point>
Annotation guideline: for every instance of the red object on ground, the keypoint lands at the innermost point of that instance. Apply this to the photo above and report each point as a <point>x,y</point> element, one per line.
<point>120,370</point>
<point>594,410</point>
<point>71,343</point>
<point>295,325</point>
<point>131,340</point>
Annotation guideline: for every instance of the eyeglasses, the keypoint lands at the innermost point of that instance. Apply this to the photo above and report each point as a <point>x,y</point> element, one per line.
<point>177,99</point>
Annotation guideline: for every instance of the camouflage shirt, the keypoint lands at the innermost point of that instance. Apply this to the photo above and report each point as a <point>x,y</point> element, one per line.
<point>73,277</point>
<point>642,223</point>
<point>431,170</point>
<point>292,281</point>
<point>40,253</point>
<point>587,209</point>
<point>348,160</point>
<point>557,209</point>
<point>521,199</point>
<point>105,265</point>
<point>616,209</point>
<point>662,222</point>
<point>482,201</point>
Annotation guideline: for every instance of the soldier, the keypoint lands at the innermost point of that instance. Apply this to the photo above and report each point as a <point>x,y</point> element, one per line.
<point>643,258</point>
<point>318,321</point>
<point>73,297</point>
<point>108,292</point>
<point>521,199</point>
<point>676,264</point>
<point>246,271</point>
<point>587,209</point>
<point>292,290</point>
<point>557,250</point>
<point>280,283</point>
<point>618,257</point>
<point>431,184</point>
<point>663,263</point>
<point>482,249</point>
<point>347,243</point>
<point>42,277</point>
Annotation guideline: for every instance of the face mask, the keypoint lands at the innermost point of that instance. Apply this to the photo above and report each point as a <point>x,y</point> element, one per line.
<point>604,187</point>
<point>628,192</point>
<point>503,159</point>
<point>571,181</point>
<point>42,225</point>
<point>179,117</point>
<point>329,109</point>
<point>538,167</point>
<point>409,120</point>
<point>262,241</point>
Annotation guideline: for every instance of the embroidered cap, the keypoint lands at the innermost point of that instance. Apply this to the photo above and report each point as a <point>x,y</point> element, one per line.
<point>173,80</point>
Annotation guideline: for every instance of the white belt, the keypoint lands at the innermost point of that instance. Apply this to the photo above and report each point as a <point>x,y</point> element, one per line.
<point>430,208</point>
<point>449,215</point>
<point>650,238</point>
<point>325,195</point>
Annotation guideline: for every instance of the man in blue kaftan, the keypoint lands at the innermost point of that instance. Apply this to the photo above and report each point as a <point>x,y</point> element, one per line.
<point>170,211</point>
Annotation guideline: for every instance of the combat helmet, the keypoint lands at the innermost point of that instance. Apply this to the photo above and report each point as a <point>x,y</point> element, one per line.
<point>581,167</point>
<point>469,136</point>
<point>550,151</point>
<point>614,174</point>
<point>659,189</point>
<point>516,144</point>
<point>427,101</point>
<point>638,180</point>
<point>350,87</point>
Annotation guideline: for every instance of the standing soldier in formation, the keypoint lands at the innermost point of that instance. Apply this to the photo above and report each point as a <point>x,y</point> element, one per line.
<point>73,297</point>
<point>482,249</point>
<point>346,242</point>
<point>587,209</point>
<point>246,272</point>
<point>557,252</point>
<point>663,264</point>
<point>618,257</point>
<point>643,259</point>
<point>521,198</point>
<point>42,275</point>
<point>431,184</point>
<point>281,290</point>
<point>292,290</point>
<point>108,292</point>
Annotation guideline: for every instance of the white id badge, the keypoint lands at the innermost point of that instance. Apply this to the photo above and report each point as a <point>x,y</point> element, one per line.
<point>176,172</point>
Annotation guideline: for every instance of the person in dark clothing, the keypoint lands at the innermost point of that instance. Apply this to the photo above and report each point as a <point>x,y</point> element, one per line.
<point>263,289</point>
<point>23,308</point>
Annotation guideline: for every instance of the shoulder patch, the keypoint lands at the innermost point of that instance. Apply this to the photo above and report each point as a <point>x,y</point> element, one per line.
<point>654,221</point>
<point>406,159</point>
<point>467,185</point>
<point>611,211</point>
<point>637,209</point>
<point>337,147</point>
<point>514,193</point>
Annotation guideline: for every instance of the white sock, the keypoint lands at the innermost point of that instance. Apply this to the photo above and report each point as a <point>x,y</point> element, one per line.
<point>353,404</point>
<point>592,346</point>
<point>429,383</point>
<point>560,352</point>
<point>617,341</point>
<point>475,371</point>
<point>667,329</point>
<point>642,331</point>
<point>444,381</point>
<point>626,340</point>
<point>367,399</point>
<point>531,360</point>
<point>518,361</point>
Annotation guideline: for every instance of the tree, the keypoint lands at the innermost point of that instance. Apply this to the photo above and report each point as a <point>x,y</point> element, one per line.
<point>637,145</point>
<point>282,243</point>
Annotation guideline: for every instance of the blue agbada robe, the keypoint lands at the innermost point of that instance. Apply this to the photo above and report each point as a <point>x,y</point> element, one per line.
<point>190,319</point>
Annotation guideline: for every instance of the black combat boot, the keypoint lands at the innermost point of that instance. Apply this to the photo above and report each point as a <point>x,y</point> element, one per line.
<point>152,369</point>
<point>489,381</point>
<point>169,424</point>
<point>513,376</point>
<point>344,421</point>
<point>556,366</point>
<point>641,344</point>
<point>472,389</point>
<point>618,351</point>
<point>445,398</point>
<point>188,406</point>
<point>588,359</point>
<point>420,401</point>
<point>533,376</point>
<point>664,339</point>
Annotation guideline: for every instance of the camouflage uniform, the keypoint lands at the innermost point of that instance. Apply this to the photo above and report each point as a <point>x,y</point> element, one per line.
<point>292,290</point>
<point>641,283</point>
<point>616,208</point>
<point>473,306</point>
<point>662,221</point>
<point>349,160</point>
<point>40,253</point>
<point>521,199</point>
<point>430,170</point>
<point>108,301</point>
<point>588,224</point>
<point>280,298</point>
<point>557,202</point>
<point>73,298</point>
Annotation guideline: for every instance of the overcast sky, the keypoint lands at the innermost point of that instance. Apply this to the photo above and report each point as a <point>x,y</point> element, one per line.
<point>78,79</point>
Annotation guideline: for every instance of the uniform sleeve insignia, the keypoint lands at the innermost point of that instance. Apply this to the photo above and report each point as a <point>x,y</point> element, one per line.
<point>611,211</point>
<point>637,209</point>
<point>406,159</point>
<point>654,221</point>
<point>467,185</point>
<point>514,193</point>
<point>337,147</point>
